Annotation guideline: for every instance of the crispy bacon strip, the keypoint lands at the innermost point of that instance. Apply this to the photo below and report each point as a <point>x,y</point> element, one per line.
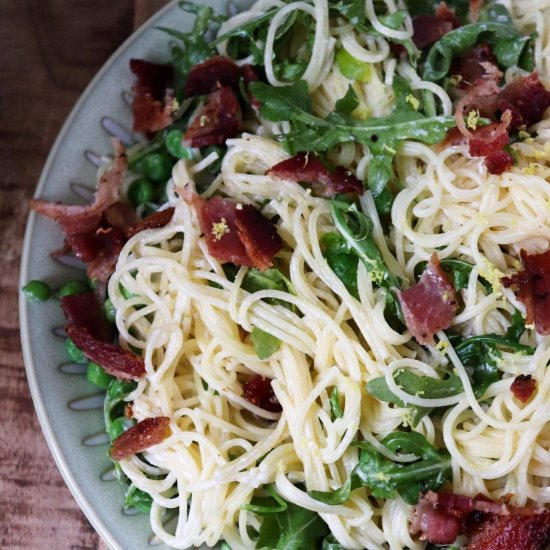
<point>531,287</point>
<point>220,119</point>
<point>517,531</point>
<point>249,75</point>
<point>237,233</point>
<point>476,66</point>
<point>307,168</point>
<point>259,392</point>
<point>153,221</point>
<point>208,76</point>
<point>428,29</point>
<point>85,311</point>
<point>153,104</point>
<point>430,304</point>
<point>258,235</point>
<point>118,362</point>
<point>140,437</point>
<point>523,387</point>
<point>82,219</point>
<point>440,517</point>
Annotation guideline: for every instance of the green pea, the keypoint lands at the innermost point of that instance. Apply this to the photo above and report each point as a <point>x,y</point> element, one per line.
<point>97,376</point>
<point>157,166</point>
<point>75,353</point>
<point>175,146</point>
<point>353,68</point>
<point>141,191</point>
<point>136,165</point>
<point>110,311</point>
<point>117,427</point>
<point>37,291</point>
<point>73,287</point>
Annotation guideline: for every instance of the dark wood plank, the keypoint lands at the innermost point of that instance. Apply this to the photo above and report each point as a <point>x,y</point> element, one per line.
<point>49,51</point>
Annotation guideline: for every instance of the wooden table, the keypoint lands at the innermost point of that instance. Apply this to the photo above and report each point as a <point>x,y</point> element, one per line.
<point>49,51</point>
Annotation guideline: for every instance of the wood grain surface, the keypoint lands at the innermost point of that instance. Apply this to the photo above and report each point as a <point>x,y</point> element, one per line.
<point>49,51</point>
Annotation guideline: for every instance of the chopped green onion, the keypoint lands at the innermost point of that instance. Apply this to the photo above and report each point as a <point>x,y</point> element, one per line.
<point>37,291</point>
<point>353,68</point>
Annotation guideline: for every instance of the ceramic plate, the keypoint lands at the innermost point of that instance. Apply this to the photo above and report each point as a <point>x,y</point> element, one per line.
<point>69,409</point>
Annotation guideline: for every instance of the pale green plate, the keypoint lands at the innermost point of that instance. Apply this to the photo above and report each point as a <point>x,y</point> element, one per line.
<point>69,409</point>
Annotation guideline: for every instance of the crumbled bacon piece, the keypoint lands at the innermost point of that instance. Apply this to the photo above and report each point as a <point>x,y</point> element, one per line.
<point>121,216</point>
<point>475,8</point>
<point>531,287</point>
<point>153,103</point>
<point>237,233</point>
<point>444,13</point>
<point>498,162</point>
<point>208,76</point>
<point>140,437</point>
<point>440,517</point>
<point>259,392</point>
<point>527,98</point>
<point>220,119</point>
<point>517,531</point>
<point>153,221</point>
<point>428,29</point>
<point>430,304</point>
<point>307,168</point>
<point>85,310</point>
<point>258,235</point>
<point>477,65</point>
<point>523,387</point>
<point>82,219</point>
<point>117,362</point>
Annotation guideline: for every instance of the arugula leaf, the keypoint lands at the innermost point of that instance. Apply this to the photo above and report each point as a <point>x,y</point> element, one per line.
<point>248,37</point>
<point>273,504</point>
<point>421,386</point>
<point>269,279</point>
<point>495,27</point>
<point>343,262</point>
<point>292,529</point>
<point>382,135</point>
<point>355,229</point>
<point>517,327</point>
<point>348,103</point>
<point>458,269</point>
<point>193,48</point>
<point>335,408</point>
<point>265,344</point>
<point>482,355</point>
<point>384,477</point>
<point>354,12</point>
<point>136,498</point>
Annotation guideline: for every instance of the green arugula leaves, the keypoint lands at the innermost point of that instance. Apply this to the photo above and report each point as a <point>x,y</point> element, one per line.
<point>265,344</point>
<point>192,47</point>
<point>382,135</point>
<point>459,270</point>
<point>495,27</point>
<point>385,478</point>
<point>414,384</point>
<point>289,527</point>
